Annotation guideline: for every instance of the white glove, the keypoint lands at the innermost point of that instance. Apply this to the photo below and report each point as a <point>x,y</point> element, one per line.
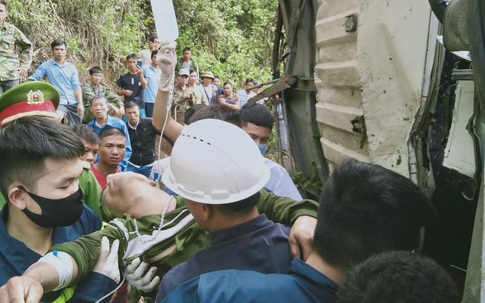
<point>134,274</point>
<point>108,260</point>
<point>166,60</point>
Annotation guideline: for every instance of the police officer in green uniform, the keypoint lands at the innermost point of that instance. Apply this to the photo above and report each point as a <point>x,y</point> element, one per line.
<point>37,98</point>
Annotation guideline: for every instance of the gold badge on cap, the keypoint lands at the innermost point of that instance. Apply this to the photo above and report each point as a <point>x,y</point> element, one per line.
<point>35,97</point>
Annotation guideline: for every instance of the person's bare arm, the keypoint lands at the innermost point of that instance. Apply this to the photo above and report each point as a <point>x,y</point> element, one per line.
<point>20,290</point>
<point>161,114</point>
<point>30,287</point>
<point>79,97</point>
<point>143,80</point>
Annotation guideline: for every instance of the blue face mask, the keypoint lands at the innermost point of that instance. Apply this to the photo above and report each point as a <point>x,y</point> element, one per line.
<point>263,148</point>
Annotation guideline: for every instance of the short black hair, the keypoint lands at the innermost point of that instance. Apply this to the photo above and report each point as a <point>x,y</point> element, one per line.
<point>367,209</point>
<point>86,133</point>
<point>191,111</point>
<point>256,114</point>
<point>95,70</point>
<point>186,49</point>
<point>398,276</point>
<point>131,104</point>
<point>152,38</point>
<point>248,80</point>
<point>132,56</point>
<point>110,131</point>
<point>26,142</point>
<point>154,53</point>
<point>239,206</point>
<point>215,111</point>
<point>57,42</point>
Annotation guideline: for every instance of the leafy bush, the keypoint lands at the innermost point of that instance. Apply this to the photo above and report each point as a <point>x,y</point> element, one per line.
<point>231,38</point>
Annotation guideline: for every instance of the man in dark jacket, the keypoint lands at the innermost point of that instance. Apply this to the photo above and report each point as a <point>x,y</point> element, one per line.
<point>142,137</point>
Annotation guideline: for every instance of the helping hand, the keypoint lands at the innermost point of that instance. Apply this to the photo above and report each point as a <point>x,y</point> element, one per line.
<point>134,274</point>
<point>108,260</point>
<point>301,237</point>
<point>166,60</point>
<point>20,290</point>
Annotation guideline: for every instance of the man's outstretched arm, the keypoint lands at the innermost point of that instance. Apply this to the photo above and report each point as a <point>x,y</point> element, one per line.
<point>161,112</point>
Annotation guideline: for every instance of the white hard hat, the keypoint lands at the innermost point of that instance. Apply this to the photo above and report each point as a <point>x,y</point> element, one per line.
<point>215,162</point>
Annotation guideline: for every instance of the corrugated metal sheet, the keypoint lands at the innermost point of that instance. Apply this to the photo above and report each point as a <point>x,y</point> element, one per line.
<point>374,72</point>
<point>337,79</point>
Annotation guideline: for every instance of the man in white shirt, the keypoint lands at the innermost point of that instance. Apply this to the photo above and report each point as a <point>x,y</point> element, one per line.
<point>246,93</point>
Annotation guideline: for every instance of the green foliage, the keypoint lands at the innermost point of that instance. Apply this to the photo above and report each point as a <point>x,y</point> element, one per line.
<point>97,32</point>
<point>310,186</point>
<point>231,38</point>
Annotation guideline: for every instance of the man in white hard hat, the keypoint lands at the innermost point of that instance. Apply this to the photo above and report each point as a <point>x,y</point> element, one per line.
<point>221,193</point>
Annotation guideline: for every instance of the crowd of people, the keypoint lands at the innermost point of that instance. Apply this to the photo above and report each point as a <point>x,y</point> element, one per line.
<point>91,215</point>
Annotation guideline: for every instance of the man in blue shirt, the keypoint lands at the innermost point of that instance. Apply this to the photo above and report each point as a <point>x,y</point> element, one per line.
<point>64,76</point>
<point>99,108</point>
<point>152,75</point>
<point>364,209</point>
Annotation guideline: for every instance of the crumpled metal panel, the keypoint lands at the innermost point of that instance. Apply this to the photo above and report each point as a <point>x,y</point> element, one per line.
<point>370,58</point>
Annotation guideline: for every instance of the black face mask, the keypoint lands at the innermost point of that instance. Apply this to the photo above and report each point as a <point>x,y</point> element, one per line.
<point>56,212</point>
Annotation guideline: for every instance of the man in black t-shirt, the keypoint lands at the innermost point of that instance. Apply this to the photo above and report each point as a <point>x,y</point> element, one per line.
<point>131,84</point>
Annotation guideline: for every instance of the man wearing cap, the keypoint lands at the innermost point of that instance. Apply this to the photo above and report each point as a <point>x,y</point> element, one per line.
<point>182,99</point>
<point>208,87</point>
<point>64,76</point>
<point>24,101</point>
<point>38,98</point>
<point>15,52</point>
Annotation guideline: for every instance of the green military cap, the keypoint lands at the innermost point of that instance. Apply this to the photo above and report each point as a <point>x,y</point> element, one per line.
<point>34,98</point>
<point>207,75</point>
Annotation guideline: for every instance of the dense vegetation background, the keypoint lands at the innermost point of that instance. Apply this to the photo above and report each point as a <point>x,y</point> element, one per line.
<point>232,38</point>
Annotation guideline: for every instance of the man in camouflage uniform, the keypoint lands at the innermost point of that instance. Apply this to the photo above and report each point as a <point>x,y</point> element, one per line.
<point>15,52</point>
<point>94,87</point>
<point>182,98</point>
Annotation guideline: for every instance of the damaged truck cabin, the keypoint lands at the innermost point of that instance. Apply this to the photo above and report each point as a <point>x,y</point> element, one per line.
<point>399,84</point>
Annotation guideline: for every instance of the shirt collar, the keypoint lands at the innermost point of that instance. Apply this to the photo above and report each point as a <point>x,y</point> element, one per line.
<point>133,127</point>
